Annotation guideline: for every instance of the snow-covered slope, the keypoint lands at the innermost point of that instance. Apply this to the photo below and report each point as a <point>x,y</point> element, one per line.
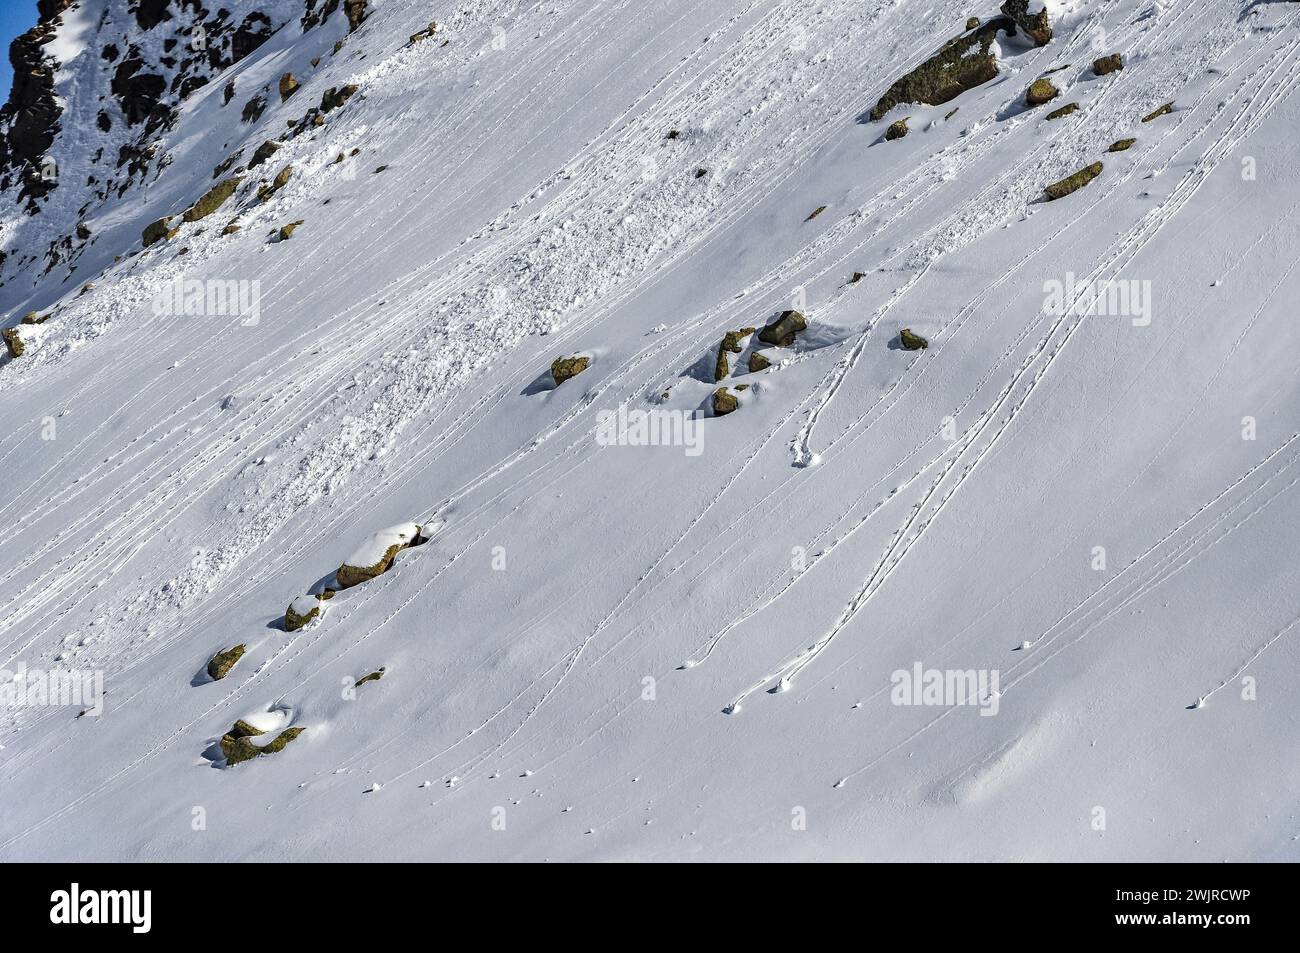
<point>604,651</point>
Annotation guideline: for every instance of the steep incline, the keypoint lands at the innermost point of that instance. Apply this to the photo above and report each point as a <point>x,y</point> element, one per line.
<point>613,651</point>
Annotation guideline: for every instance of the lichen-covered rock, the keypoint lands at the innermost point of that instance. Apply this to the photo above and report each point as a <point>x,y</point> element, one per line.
<point>301,611</point>
<point>372,677</point>
<point>815,212</point>
<point>237,745</point>
<point>13,343</point>
<point>1036,25</point>
<point>280,181</point>
<point>1105,65</point>
<point>783,330</point>
<point>1164,110</point>
<point>1065,110</point>
<point>288,86</point>
<point>212,200</point>
<point>757,362</point>
<point>1121,145</point>
<point>1072,183</point>
<point>219,665</point>
<point>159,231</point>
<point>286,231</point>
<point>264,152</point>
<point>960,64</point>
<point>732,343</point>
<point>376,554</point>
<point>897,129</point>
<point>563,368</point>
<point>912,341</point>
<point>1041,91</point>
<point>724,402</point>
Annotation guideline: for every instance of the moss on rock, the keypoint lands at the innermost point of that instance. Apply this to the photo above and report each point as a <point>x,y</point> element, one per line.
<point>212,200</point>
<point>301,611</point>
<point>1073,183</point>
<point>237,745</point>
<point>724,402</point>
<point>783,330</point>
<point>1041,91</point>
<point>219,665</point>
<point>757,362</point>
<point>1121,145</point>
<point>897,129</point>
<point>1065,110</point>
<point>960,64</point>
<point>1035,25</point>
<point>912,341</point>
<point>563,368</point>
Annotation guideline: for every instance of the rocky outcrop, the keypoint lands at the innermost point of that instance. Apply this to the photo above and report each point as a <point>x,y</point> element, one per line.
<point>237,745</point>
<point>219,665</point>
<point>1063,111</point>
<point>334,98</point>
<point>897,129</point>
<point>1035,25</point>
<point>724,402</point>
<point>1121,145</point>
<point>732,343</point>
<point>563,368</point>
<point>758,362</point>
<point>288,86</point>
<point>160,230</point>
<point>263,152</point>
<point>1108,64</point>
<point>783,331</point>
<point>912,341</point>
<point>961,64</point>
<point>1073,183</point>
<point>13,343</point>
<point>212,200</point>
<point>1041,91</point>
<point>1164,110</point>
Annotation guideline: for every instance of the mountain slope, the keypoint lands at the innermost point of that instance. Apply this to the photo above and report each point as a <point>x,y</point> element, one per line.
<point>639,652</point>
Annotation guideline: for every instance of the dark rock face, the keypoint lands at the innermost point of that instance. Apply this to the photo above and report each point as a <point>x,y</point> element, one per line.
<point>31,116</point>
<point>139,94</point>
<point>149,13</point>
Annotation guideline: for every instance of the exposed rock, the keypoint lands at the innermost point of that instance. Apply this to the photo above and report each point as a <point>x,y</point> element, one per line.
<point>334,98</point>
<point>159,231</point>
<point>301,611</point>
<point>1073,182</point>
<point>237,746</point>
<point>13,342</point>
<point>375,556</point>
<point>286,231</point>
<point>912,341</point>
<point>1108,64</point>
<point>1164,110</point>
<point>731,343</point>
<point>815,212</point>
<point>897,129</point>
<point>783,330</point>
<point>701,173</point>
<point>1041,91</point>
<point>724,402</point>
<point>33,317</point>
<point>562,368</point>
<point>280,181</point>
<point>212,200</point>
<point>960,64</point>
<point>231,228</point>
<point>421,35</point>
<point>1121,145</point>
<point>757,362</point>
<point>1063,111</point>
<point>973,23</point>
<point>1036,25</point>
<point>254,108</point>
<point>220,664</point>
<point>264,152</point>
<point>288,86</point>
<point>857,276</point>
<point>372,677</point>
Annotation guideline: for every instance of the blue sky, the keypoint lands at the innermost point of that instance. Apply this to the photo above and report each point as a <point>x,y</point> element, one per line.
<point>16,16</point>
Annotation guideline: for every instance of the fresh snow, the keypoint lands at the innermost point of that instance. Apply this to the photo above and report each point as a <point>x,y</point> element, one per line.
<point>631,652</point>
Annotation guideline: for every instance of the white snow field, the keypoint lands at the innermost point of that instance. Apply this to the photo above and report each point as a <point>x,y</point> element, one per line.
<point>683,651</point>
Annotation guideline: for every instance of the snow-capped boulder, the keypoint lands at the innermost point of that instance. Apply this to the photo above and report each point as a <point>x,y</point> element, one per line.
<point>374,556</point>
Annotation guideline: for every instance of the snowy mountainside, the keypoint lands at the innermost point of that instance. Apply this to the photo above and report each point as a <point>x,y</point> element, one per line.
<point>601,650</point>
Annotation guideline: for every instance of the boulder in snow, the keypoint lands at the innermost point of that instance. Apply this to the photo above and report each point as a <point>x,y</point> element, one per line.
<point>1072,183</point>
<point>912,341</point>
<point>784,329</point>
<point>219,665</point>
<point>563,368</point>
<point>374,556</point>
